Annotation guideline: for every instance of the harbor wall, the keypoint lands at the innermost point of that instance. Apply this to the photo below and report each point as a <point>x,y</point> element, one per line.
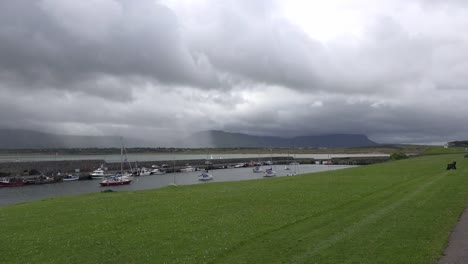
<point>86,166</point>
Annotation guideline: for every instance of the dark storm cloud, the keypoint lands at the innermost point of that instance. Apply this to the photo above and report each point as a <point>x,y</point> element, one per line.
<point>64,44</point>
<point>171,67</point>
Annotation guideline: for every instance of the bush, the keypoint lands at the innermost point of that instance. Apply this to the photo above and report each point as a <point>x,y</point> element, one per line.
<point>398,156</point>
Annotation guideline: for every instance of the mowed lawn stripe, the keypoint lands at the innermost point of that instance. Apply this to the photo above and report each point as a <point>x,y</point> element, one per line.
<point>350,218</point>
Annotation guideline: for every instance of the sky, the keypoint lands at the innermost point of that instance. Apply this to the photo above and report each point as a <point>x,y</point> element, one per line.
<point>394,70</point>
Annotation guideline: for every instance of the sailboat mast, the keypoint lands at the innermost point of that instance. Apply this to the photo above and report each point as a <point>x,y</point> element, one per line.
<point>121,156</point>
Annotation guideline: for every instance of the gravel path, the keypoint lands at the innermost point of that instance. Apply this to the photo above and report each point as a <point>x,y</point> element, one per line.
<point>457,250</point>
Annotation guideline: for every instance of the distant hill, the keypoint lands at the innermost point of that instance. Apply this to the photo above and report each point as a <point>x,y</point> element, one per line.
<point>221,139</point>
<point>27,139</point>
<point>460,144</point>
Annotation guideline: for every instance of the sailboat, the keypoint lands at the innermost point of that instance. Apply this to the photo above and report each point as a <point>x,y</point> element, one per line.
<point>295,167</point>
<point>270,172</point>
<point>257,169</point>
<point>205,176</point>
<point>287,166</point>
<point>119,178</point>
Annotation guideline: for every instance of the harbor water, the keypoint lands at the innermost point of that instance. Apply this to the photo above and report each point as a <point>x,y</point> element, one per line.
<point>14,195</point>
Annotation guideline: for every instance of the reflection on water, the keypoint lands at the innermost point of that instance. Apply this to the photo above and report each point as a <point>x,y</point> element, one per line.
<point>13,195</point>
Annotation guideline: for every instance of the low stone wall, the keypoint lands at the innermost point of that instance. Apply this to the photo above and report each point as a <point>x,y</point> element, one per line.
<point>17,168</point>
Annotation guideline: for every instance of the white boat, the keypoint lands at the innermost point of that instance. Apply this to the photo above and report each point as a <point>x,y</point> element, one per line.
<point>120,178</point>
<point>269,173</point>
<point>294,164</point>
<point>239,165</point>
<point>257,169</point>
<point>205,176</point>
<point>70,177</point>
<point>144,172</point>
<point>156,172</point>
<point>188,168</point>
<point>98,174</point>
<point>115,180</point>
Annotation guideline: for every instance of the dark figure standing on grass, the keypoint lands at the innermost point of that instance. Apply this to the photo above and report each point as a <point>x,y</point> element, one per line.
<point>452,166</point>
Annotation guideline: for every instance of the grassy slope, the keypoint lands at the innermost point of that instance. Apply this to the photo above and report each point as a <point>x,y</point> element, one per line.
<point>396,212</point>
<point>442,150</point>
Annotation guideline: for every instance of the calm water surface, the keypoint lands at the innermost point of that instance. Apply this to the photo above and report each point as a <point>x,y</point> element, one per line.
<point>13,195</point>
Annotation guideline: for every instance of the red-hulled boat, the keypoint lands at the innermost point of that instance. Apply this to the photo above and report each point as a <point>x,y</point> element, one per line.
<point>115,180</point>
<point>11,182</point>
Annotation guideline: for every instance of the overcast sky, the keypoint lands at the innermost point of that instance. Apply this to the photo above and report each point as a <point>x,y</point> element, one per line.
<point>395,70</point>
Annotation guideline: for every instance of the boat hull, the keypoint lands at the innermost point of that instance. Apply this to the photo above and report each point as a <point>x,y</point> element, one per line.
<point>12,184</point>
<point>73,178</point>
<point>115,183</point>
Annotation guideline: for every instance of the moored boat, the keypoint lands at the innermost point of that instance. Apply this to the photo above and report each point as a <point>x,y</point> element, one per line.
<point>115,180</point>
<point>188,168</point>
<point>70,177</point>
<point>269,172</point>
<point>257,169</point>
<point>98,174</point>
<point>119,178</point>
<point>11,182</point>
<point>205,176</point>
<point>157,172</point>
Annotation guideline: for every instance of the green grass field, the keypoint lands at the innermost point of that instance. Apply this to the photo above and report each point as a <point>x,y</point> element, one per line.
<point>395,212</point>
<point>442,150</point>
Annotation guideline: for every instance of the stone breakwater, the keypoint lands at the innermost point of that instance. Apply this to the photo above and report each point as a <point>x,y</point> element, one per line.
<point>84,167</point>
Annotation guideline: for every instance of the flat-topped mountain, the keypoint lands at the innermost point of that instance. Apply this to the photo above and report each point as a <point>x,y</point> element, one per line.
<point>221,139</point>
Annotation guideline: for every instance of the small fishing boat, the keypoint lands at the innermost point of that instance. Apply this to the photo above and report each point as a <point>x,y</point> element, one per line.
<point>11,182</point>
<point>98,174</point>
<point>70,177</point>
<point>157,172</point>
<point>188,168</point>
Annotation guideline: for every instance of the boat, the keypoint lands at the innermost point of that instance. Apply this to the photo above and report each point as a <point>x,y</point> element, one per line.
<point>257,169</point>
<point>294,164</point>
<point>240,165</point>
<point>205,176</point>
<point>144,172</point>
<point>156,172</point>
<point>119,178</point>
<point>269,173</point>
<point>98,174</point>
<point>11,182</point>
<point>70,177</point>
<point>115,180</point>
<point>188,168</point>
